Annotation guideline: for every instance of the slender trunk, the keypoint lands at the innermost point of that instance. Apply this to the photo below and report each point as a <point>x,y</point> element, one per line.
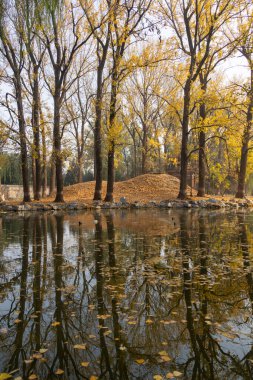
<point>36,133</point>
<point>98,137</point>
<point>110,174</point>
<point>57,143</point>
<point>111,149</point>
<point>245,145</point>
<point>52,177</point>
<point>202,145</point>
<point>144,150</point>
<point>22,136</point>
<point>243,163</point>
<point>184,143</point>
<point>44,155</point>
<point>33,172</point>
<point>80,170</point>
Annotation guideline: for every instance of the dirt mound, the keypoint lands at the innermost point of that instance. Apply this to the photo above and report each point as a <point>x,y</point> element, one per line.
<point>143,188</point>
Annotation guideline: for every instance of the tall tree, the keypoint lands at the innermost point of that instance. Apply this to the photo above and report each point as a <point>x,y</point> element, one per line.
<point>246,49</point>
<point>195,25</point>
<point>12,49</point>
<point>126,19</point>
<point>60,25</point>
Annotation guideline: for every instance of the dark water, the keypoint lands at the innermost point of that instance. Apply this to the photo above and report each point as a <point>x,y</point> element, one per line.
<point>127,295</point>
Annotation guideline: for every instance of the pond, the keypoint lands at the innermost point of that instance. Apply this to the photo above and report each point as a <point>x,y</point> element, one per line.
<point>127,295</point>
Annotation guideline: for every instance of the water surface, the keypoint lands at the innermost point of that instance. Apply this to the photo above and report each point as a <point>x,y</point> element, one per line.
<point>127,295</point>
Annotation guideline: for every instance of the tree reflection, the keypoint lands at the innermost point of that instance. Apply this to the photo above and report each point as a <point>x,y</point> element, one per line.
<point>112,301</point>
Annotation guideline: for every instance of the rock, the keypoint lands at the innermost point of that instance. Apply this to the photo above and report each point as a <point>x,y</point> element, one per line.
<point>123,201</point>
<point>76,206</point>
<point>58,206</point>
<point>212,200</point>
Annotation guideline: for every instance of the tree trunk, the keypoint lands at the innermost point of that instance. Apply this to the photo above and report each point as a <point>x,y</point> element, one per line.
<point>36,133</point>
<point>245,144</point>
<point>202,145</point>
<point>111,149</point>
<point>98,138</point>
<point>184,143</point>
<point>52,177</point>
<point>33,172</point>
<point>111,174</point>
<point>80,170</point>
<point>22,137</point>
<point>57,144</point>
<point>144,150</point>
<point>44,155</point>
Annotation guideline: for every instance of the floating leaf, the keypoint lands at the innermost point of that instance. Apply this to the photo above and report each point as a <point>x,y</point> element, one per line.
<point>59,371</point>
<point>54,324</point>
<point>28,361</point>
<point>165,358</point>
<point>157,377</point>
<point>80,347</point>
<point>85,364</point>
<point>162,353</point>
<point>43,350</point>
<point>140,361</point>
<point>5,376</point>
<point>170,375</point>
<point>33,377</point>
<point>177,374</point>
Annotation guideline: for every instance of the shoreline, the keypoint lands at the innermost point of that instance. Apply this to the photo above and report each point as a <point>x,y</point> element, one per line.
<point>210,203</point>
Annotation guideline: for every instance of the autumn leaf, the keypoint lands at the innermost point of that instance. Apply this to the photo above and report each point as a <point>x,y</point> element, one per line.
<point>54,324</point>
<point>177,374</point>
<point>157,377</point>
<point>140,361</point>
<point>85,364</point>
<point>80,347</point>
<point>5,376</point>
<point>33,377</point>
<point>43,350</point>
<point>59,371</point>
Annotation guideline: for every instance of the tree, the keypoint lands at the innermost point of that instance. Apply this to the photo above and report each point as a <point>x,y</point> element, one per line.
<point>60,25</point>
<point>195,25</point>
<point>12,49</point>
<point>246,49</point>
<point>126,18</point>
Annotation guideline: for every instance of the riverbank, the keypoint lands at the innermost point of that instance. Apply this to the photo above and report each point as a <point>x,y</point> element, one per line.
<point>142,192</point>
<point>209,203</point>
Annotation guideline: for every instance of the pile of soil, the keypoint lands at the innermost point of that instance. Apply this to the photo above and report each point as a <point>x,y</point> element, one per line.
<point>144,188</point>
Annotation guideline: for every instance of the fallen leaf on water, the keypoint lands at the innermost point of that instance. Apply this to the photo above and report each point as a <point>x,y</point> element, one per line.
<point>140,361</point>
<point>28,361</point>
<point>85,364</point>
<point>80,346</point>
<point>177,373</point>
<point>18,378</point>
<point>165,358</point>
<point>37,356</point>
<point>170,375</point>
<point>54,324</point>
<point>162,353</point>
<point>157,377</point>
<point>18,321</point>
<point>93,377</point>
<point>5,376</point>
<point>33,377</point>
<point>59,371</point>
<point>43,350</point>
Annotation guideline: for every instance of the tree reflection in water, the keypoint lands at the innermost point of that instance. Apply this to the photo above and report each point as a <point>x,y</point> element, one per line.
<point>127,295</point>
